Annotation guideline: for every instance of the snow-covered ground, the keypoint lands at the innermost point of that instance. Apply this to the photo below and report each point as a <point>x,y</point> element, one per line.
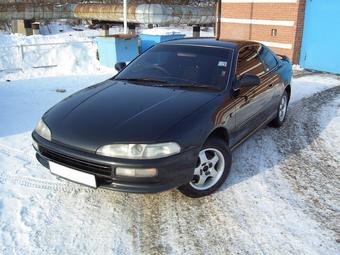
<point>282,196</point>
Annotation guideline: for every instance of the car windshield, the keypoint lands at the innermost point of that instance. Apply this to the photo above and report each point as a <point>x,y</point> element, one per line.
<point>181,65</point>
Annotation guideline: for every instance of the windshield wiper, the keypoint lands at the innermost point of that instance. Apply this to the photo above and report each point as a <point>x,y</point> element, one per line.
<point>202,86</point>
<point>143,80</point>
<point>164,83</point>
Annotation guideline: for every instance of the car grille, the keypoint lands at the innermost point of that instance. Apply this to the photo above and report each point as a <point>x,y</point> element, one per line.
<point>90,167</point>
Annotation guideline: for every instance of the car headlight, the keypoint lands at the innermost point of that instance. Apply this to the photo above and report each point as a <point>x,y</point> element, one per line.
<point>43,130</point>
<point>139,151</point>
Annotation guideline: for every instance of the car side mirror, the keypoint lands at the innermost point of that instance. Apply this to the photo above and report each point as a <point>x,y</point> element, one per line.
<point>120,66</point>
<point>248,80</point>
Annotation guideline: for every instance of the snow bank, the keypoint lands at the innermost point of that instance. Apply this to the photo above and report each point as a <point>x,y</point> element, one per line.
<point>23,57</point>
<point>308,85</point>
<point>298,68</point>
<point>330,123</point>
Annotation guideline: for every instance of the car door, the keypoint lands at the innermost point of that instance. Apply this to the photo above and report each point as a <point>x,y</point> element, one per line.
<point>271,79</point>
<point>251,103</point>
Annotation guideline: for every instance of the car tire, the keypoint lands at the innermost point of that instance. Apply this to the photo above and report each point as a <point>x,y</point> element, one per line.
<point>211,171</point>
<point>281,111</point>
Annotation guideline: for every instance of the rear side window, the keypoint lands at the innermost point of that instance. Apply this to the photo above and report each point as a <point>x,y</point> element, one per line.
<point>268,59</point>
<point>249,61</point>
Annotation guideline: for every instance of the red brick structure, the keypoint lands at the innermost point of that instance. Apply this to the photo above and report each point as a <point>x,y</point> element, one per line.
<point>276,23</point>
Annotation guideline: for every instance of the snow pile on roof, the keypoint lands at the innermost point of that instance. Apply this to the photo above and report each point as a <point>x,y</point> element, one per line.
<point>162,31</point>
<point>76,31</point>
<point>55,28</point>
<point>186,30</point>
<point>35,56</point>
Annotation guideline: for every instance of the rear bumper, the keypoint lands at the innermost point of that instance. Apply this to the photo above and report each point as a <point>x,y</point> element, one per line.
<point>173,171</point>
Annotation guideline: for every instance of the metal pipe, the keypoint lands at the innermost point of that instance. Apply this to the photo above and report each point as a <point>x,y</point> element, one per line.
<point>105,12</point>
<point>174,14</point>
<point>143,13</point>
<point>23,11</point>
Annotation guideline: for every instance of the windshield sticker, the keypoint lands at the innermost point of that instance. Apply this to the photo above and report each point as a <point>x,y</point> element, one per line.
<point>222,63</point>
<point>189,55</point>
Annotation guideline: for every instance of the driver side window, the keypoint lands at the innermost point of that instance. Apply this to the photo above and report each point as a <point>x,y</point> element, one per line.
<point>249,61</point>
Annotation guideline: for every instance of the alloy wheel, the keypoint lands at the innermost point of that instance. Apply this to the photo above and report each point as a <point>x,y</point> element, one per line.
<point>283,108</point>
<point>209,169</point>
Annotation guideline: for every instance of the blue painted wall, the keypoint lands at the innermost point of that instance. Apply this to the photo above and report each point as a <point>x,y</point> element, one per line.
<point>112,50</point>
<point>321,36</point>
<point>148,41</point>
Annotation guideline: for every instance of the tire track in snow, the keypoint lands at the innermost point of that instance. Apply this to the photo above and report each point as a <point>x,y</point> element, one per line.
<point>148,225</point>
<point>202,226</point>
<point>62,186</point>
<point>212,229</point>
<point>312,170</point>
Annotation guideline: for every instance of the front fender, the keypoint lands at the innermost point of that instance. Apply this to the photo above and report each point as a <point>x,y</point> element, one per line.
<point>192,131</point>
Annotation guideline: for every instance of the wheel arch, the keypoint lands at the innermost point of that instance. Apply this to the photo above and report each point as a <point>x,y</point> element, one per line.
<point>289,91</point>
<point>220,132</point>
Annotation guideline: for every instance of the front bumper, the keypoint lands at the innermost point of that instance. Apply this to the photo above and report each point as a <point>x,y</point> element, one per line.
<point>173,171</point>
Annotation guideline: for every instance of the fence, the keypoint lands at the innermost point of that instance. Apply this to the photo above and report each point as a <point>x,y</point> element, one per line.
<point>40,55</point>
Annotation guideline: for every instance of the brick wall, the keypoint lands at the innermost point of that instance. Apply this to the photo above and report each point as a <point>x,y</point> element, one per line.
<point>259,21</point>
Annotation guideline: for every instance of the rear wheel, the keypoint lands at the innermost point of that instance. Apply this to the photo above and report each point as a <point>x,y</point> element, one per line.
<point>281,111</point>
<point>212,169</point>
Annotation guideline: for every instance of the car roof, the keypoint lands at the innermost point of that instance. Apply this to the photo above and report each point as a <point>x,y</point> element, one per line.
<point>210,41</point>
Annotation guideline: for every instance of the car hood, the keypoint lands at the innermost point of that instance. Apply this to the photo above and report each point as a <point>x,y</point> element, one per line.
<point>120,112</point>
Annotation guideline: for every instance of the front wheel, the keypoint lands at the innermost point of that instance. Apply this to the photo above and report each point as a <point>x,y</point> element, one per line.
<point>212,169</point>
